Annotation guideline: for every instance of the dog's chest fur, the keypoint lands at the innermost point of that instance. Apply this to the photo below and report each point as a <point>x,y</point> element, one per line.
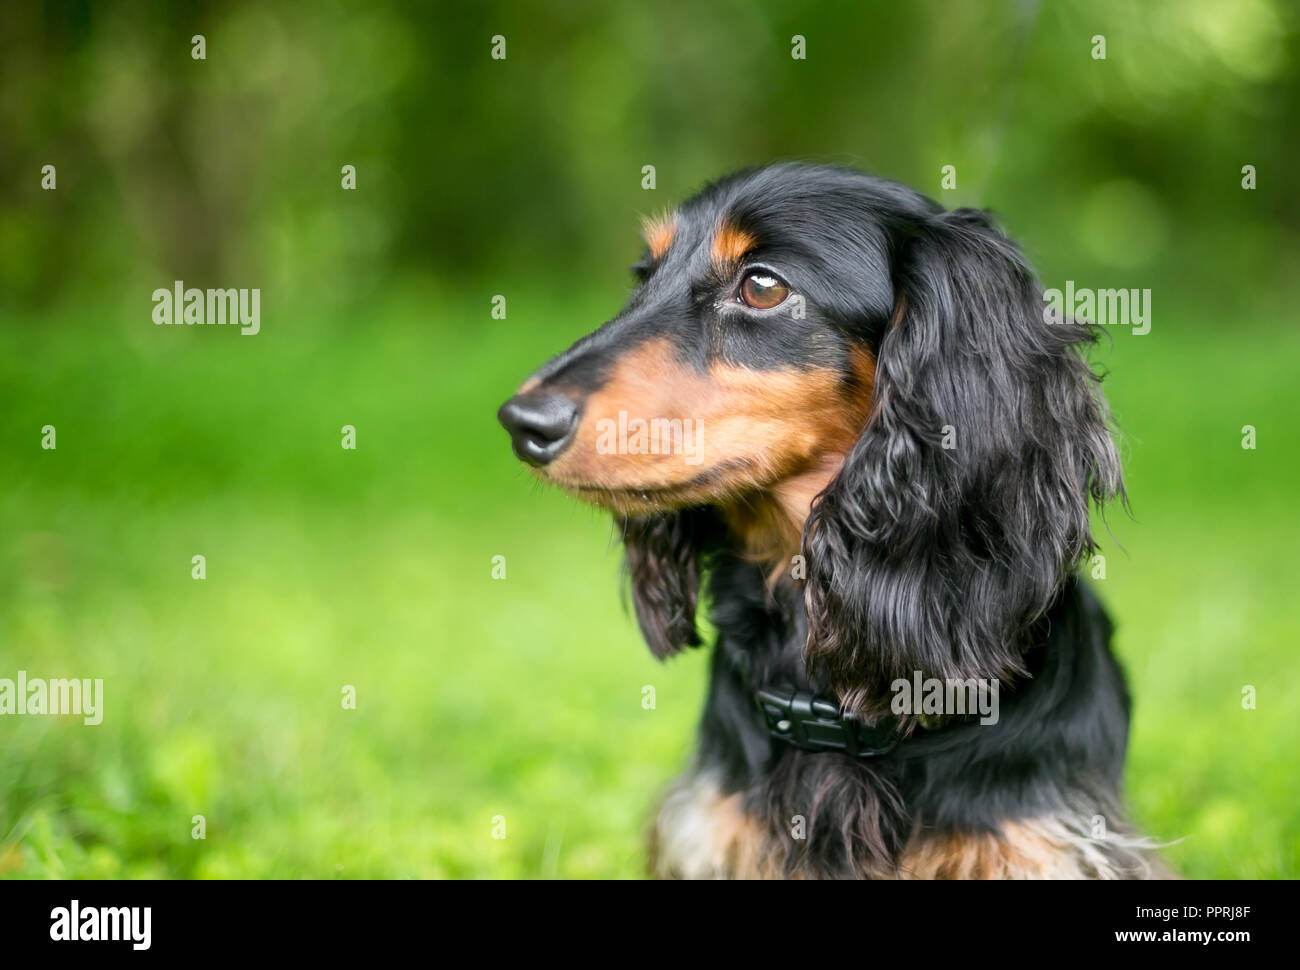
<point>992,804</point>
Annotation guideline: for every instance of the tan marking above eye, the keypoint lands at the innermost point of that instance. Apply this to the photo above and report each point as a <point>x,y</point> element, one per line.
<point>659,232</point>
<point>730,245</point>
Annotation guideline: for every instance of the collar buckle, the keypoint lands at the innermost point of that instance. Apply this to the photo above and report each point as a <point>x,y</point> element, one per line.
<point>815,724</point>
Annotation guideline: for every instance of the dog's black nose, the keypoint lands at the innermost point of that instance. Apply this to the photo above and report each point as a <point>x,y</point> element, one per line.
<point>541,424</point>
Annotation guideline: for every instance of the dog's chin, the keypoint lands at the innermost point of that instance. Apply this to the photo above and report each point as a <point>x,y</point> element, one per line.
<point>638,500</point>
<point>632,498</point>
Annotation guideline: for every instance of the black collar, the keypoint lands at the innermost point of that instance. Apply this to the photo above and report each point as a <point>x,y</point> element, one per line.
<point>814,723</point>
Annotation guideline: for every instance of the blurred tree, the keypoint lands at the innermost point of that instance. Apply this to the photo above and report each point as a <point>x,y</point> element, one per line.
<point>228,169</point>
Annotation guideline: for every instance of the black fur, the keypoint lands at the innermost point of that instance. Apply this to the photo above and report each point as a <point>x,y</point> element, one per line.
<point>1057,749</point>
<point>939,560</point>
<point>663,569</point>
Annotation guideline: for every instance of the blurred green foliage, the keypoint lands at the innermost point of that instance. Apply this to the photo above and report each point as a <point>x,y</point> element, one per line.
<point>522,697</point>
<point>478,170</point>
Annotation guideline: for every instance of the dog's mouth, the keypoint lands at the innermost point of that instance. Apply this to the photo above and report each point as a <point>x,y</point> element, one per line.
<point>728,478</point>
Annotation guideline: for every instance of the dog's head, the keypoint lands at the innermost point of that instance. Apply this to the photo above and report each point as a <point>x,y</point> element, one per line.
<point>848,373</point>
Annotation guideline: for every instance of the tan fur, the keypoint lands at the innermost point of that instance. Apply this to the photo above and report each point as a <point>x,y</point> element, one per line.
<point>1017,853</point>
<point>787,430</point>
<point>729,247</point>
<point>1053,847</point>
<point>771,524</point>
<point>702,834</point>
<point>659,232</point>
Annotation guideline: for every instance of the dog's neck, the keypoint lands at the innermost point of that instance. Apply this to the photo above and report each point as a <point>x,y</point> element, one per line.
<point>769,525</point>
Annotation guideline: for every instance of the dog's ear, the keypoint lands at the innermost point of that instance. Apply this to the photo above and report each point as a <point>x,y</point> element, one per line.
<point>663,568</point>
<point>964,505</point>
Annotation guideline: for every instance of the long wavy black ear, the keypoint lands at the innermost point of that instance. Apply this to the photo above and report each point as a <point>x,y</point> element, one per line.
<point>964,504</point>
<point>662,560</point>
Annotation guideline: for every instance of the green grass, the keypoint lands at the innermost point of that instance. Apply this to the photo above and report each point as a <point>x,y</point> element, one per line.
<point>519,697</point>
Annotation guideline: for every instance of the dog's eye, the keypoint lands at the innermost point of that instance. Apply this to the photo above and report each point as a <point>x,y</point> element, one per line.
<point>763,291</point>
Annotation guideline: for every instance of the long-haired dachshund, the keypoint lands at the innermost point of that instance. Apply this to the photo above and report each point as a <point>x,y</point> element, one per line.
<point>844,411</point>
